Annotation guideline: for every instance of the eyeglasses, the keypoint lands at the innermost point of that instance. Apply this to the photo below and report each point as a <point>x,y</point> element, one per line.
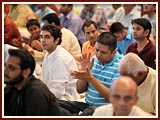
<point>11,68</point>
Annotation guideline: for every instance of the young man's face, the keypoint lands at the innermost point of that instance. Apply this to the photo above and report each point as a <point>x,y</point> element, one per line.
<point>120,35</point>
<point>12,72</point>
<point>103,53</point>
<point>148,8</point>
<point>138,32</point>
<point>65,9</point>
<point>91,34</point>
<point>47,41</point>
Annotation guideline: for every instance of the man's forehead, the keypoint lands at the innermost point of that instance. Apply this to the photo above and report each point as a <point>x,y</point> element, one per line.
<point>45,32</point>
<point>13,59</point>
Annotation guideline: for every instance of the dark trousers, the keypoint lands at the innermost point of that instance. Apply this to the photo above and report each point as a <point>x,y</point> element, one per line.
<point>72,108</point>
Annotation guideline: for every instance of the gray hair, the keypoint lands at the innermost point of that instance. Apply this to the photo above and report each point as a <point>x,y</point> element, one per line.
<point>132,64</point>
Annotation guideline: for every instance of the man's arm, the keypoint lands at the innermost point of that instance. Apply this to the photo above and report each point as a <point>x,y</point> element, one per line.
<point>86,77</point>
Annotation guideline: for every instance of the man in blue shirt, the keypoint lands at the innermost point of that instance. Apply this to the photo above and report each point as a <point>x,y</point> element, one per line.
<point>104,70</point>
<point>124,36</point>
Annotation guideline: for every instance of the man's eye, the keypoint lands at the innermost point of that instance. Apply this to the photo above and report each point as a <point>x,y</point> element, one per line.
<point>128,98</point>
<point>47,37</point>
<point>116,97</point>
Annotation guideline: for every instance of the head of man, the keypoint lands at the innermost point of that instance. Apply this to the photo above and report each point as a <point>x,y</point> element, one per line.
<point>116,6</point>
<point>42,7</point>
<point>132,65</point>
<point>50,37</point>
<point>33,27</point>
<point>149,8</point>
<point>66,8</point>
<point>105,47</point>
<point>128,8</point>
<point>51,18</point>
<point>123,95</point>
<point>89,7</point>
<point>118,30</point>
<point>19,65</point>
<point>91,32</point>
<point>141,28</point>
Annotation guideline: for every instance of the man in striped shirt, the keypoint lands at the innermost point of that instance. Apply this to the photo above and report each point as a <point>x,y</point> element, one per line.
<point>97,74</point>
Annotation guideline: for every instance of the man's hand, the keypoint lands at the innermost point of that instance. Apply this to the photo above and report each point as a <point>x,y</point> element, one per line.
<point>86,61</point>
<point>82,75</point>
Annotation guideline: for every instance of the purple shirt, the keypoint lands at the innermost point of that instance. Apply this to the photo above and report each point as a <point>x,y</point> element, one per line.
<point>74,23</point>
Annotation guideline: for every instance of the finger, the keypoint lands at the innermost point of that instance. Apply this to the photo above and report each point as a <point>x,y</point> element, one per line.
<point>89,55</point>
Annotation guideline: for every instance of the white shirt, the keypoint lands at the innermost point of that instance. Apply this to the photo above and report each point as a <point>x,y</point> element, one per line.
<point>127,19</point>
<point>107,110</point>
<point>56,69</point>
<point>70,42</point>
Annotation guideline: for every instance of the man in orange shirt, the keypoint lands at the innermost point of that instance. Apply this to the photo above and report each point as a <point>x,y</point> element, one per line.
<point>91,33</point>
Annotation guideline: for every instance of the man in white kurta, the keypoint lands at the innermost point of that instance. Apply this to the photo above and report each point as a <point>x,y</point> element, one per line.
<point>56,69</point>
<point>57,65</point>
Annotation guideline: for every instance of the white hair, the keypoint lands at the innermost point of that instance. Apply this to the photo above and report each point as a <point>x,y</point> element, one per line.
<point>132,64</point>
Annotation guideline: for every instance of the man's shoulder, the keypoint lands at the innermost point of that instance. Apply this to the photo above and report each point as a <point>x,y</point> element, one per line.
<point>105,110</point>
<point>137,111</point>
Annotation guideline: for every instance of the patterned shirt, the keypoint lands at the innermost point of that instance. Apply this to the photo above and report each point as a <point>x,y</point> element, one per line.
<point>106,74</point>
<point>97,15</point>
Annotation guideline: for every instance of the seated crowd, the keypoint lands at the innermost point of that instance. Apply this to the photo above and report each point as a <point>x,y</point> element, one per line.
<point>61,63</point>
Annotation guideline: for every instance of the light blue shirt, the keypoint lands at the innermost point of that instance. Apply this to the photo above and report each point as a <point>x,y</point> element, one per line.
<point>41,14</point>
<point>106,74</point>
<point>123,45</point>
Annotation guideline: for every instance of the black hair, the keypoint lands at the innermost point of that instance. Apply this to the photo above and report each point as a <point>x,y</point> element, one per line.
<point>32,22</point>
<point>54,31</point>
<point>52,17</point>
<point>26,59</point>
<point>145,23</point>
<point>116,27</point>
<point>88,23</point>
<point>109,39</point>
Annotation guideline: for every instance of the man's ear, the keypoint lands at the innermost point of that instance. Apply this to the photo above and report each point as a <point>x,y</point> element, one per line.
<point>26,72</point>
<point>140,74</point>
<point>57,41</point>
<point>146,32</point>
<point>114,51</point>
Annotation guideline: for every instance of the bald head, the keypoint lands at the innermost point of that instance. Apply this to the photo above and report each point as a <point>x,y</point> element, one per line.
<point>123,95</point>
<point>124,82</point>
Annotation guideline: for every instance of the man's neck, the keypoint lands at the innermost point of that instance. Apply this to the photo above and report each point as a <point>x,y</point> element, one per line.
<point>141,44</point>
<point>144,77</point>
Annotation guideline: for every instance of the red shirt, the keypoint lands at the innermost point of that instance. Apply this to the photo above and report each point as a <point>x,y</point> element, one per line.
<point>11,32</point>
<point>148,54</point>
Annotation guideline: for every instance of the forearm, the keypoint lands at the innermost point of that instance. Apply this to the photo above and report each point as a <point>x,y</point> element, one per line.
<point>81,86</point>
<point>103,90</point>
